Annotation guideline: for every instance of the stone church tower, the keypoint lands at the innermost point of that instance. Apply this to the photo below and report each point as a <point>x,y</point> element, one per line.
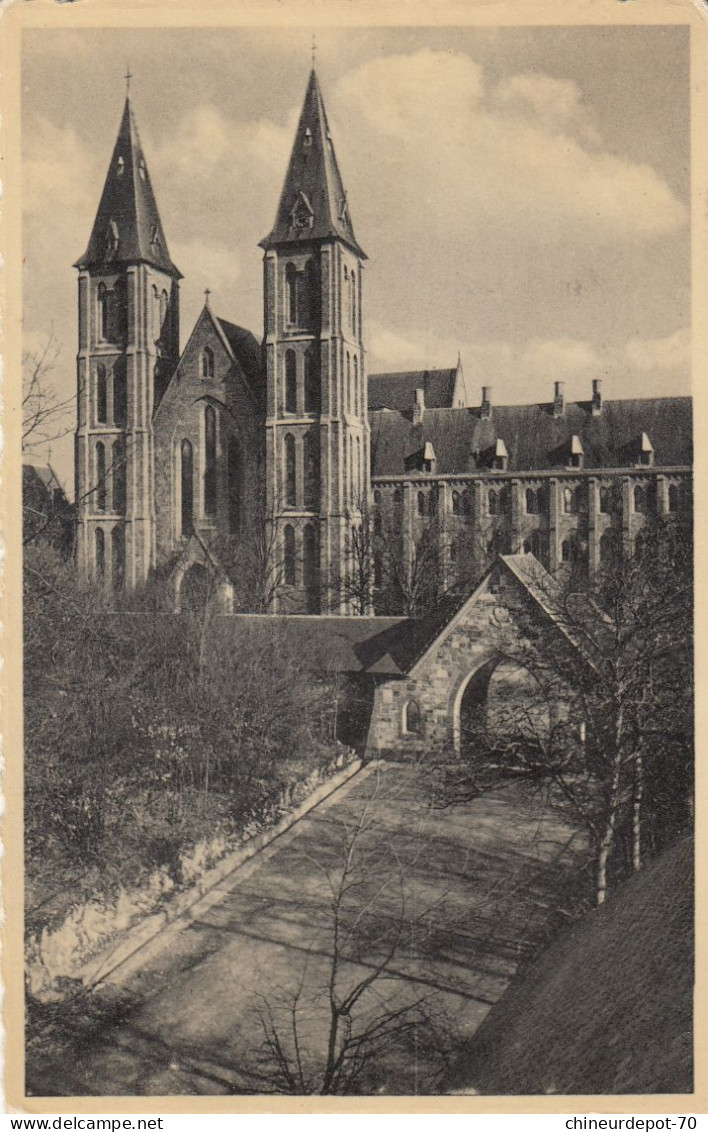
<point>317,431</point>
<point>128,348</point>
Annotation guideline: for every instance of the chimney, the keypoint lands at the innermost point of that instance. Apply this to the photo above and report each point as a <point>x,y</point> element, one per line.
<point>596,396</point>
<point>486,409</point>
<point>559,399</point>
<point>419,407</point>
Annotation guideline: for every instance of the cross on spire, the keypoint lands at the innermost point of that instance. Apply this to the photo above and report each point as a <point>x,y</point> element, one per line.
<point>128,77</point>
<point>314,49</point>
<point>207,293</point>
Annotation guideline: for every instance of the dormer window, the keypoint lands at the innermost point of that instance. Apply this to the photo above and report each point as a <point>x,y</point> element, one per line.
<point>429,460</point>
<point>155,237</point>
<point>646,451</point>
<point>112,238</point>
<point>307,139</point>
<point>577,455</point>
<point>501,457</point>
<point>120,167</point>
<point>302,216</point>
<point>142,169</point>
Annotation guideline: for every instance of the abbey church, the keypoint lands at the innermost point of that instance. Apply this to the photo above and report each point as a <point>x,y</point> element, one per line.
<point>357,487</point>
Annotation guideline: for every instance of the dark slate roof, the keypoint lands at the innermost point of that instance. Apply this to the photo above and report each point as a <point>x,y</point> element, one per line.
<point>535,440</point>
<point>313,178</point>
<point>128,202</point>
<point>247,351</point>
<point>397,390</point>
<point>607,1008</point>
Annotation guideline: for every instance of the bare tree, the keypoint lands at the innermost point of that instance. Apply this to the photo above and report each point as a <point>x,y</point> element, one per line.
<point>46,415</point>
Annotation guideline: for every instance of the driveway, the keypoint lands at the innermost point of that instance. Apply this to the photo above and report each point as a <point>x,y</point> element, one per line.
<point>442,901</point>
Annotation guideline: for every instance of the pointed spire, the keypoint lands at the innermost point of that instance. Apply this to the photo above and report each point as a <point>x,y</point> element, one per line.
<point>313,204</point>
<point>127,228</point>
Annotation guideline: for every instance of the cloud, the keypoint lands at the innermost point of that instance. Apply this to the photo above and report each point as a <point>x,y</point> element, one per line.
<point>672,352</point>
<point>59,173</point>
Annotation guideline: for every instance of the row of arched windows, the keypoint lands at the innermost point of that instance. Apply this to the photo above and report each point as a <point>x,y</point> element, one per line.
<point>117,552</point>
<point>110,473</point>
<point>111,395</point>
<point>352,390</point>
<point>310,556</point>
<point>311,382</point>
<point>111,312</point>
<point>234,478</point>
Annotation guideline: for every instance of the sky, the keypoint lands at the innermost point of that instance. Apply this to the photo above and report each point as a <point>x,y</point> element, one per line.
<point>522,193</point>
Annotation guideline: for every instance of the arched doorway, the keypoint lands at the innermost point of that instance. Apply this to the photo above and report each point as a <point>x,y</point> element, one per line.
<point>500,714</point>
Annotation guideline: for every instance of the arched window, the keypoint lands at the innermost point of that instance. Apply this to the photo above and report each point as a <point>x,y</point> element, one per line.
<point>412,718</point>
<point>187,487</point>
<point>311,459</point>
<point>119,477</point>
<point>348,405</point>
<point>531,502</point>
<point>673,497</point>
<point>207,363</point>
<point>100,476</point>
<point>163,313</point>
<point>355,362</point>
<point>234,474</point>
<point>120,394</point>
<point>352,485</point>
<point>289,564</point>
<point>102,298</point>
<point>118,556</point>
<point>210,489</point>
<point>353,285</point>
<point>312,381</point>
<point>358,465</point>
<point>156,328</point>
<point>569,501</point>
<point>290,382</point>
<point>609,548</point>
<point>640,500</point>
<point>100,551</point>
<point>101,394</point>
<point>309,557</point>
<point>290,471</point>
<point>493,503</point>
<point>421,503</point>
<point>291,289</point>
<point>120,309</point>
<point>456,503</point>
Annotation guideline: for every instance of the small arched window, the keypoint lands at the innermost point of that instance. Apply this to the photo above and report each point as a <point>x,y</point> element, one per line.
<point>291,293</point>
<point>234,473</point>
<point>290,471</point>
<point>100,551</point>
<point>210,488</point>
<point>355,363</point>
<point>311,459</point>
<point>412,718</point>
<point>100,476</point>
<point>187,488</point>
<point>101,394</point>
<point>640,500</point>
<point>531,502</point>
<point>348,405</point>
<point>456,503</point>
<point>120,394</point>
<point>120,166</point>
<point>290,382</point>
<point>119,477</point>
<point>207,363</point>
<point>118,556</point>
<point>570,500</point>
<point>163,313</point>
<point>493,503</point>
<point>309,557</point>
<point>102,300</point>
<point>289,564</point>
<point>421,503</point>
<point>312,381</point>
<point>673,497</point>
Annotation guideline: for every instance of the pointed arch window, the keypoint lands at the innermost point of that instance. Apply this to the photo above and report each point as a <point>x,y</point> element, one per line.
<point>348,406</point>
<point>355,363</point>
<point>100,476</point>
<point>164,307</point>
<point>570,501</point>
<point>210,485</point>
<point>118,556</point>
<point>291,293</point>
<point>353,301</point>
<point>102,301</point>
<point>421,503</point>
<point>120,166</point>
<point>640,500</point>
<point>456,503</point>
<point>234,472</point>
<point>120,394</point>
<point>289,562</point>
<point>531,502</point>
<point>187,486</point>
<point>312,380</point>
<point>290,471</point>
<point>493,503</point>
<point>207,363</point>
<point>412,722</point>
<point>352,485</point>
<point>101,394</point>
<point>290,382</point>
<point>606,500</point>
<point>309,557</point>
<point>119,477</point>
<point>100,551</point>
<point>358,466</point>
<point>311,458</point>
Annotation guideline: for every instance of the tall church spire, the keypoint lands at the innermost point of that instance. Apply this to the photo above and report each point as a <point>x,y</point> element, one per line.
<point>313,203</point>
<point>127,228</point>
